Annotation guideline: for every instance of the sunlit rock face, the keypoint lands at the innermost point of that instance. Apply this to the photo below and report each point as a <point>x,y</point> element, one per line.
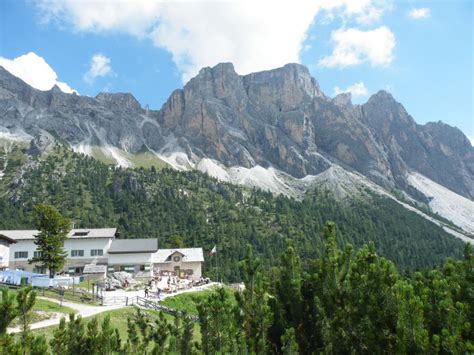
<point>277,118</point>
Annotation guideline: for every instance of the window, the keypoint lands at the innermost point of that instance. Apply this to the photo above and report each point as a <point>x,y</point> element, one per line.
<point>39,270</point>
<point>76,253</point>
<point>97,252</point>
<point>37,254</point>
<point>176,258</point>
<point>21,255</point>
<point>81,234</point>
<point>128,268</point>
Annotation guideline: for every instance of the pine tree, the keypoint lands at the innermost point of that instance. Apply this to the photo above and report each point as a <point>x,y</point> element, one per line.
<point>289,344</point>
<point>75,337</point>
<point>160,333</point>
<point>92,338</point>
<point>287,303</point>
<point>255,311</point>
<point>25,299</point>
<point>412,337</point>
<point>53,230</point>
<point>39,346</point>
<point>187,335</point>
<point>59,341</point>
<point>109,338</point>
<point>218,324</point>
<point>8,310</point>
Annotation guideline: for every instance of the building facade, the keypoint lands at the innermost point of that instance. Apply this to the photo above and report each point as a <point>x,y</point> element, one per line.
<point>84,246</point>
<point>5,243</point>
<point>185,262</point>
<point>88,248</point>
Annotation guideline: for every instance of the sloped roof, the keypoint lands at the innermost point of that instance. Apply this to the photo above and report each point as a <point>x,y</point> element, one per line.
<point>94,269</point>
<point>8,239</point>
<point>189,254</point>
<point>89,233</point>
<point>127,246</point>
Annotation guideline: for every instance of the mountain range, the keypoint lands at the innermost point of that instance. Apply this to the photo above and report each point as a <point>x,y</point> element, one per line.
<point>274,130</point>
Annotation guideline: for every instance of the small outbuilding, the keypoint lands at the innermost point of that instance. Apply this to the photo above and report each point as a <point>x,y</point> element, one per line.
<point>97,271</point>
<point>183,262</point>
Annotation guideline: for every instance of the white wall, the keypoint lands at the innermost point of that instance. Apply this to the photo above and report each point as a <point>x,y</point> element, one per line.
<point>21,245</point>
<point>87,245</point>
<point>98,243</point>
<point>183,265</point>
<point>70,244</point>
<point>130,259</point>
<point>4,253</point>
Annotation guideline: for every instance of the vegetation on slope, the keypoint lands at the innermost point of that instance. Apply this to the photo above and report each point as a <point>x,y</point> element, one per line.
<point>193,209</point>
<point>347,302</point>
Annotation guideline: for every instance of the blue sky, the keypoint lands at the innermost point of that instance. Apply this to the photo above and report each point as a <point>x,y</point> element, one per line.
<point>420,51</point>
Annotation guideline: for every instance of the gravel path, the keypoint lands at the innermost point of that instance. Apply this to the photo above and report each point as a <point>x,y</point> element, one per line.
<point>81,309</point>
<point>85,310</point>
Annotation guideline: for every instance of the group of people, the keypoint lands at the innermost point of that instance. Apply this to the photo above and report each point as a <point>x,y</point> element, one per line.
<point>173,284</point>
<point>158,292</point>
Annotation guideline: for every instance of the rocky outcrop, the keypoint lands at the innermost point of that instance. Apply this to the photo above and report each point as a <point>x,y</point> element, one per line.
<point>277,118</point>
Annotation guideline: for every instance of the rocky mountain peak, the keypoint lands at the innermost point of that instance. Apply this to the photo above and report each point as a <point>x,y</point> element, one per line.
<point>55,89</point>
<point>13,84</point>
<point>344,99</point>
<point>382,96</point>
<point>119,100</point>
<point>382,111</point>
<point>449,136</point>
<point>278,118</point>
<point>284,89</point>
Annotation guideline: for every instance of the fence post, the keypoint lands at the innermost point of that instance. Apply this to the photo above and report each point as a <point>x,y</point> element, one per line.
<point>126,301</point>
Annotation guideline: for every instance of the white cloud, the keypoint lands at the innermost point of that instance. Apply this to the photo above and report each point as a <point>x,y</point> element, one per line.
<point>100,67</point>
<point>356,90</point>
<point>133,17</point>
<point>33,70</point>
<point>471,139</point>
<point>365,12</point>
<point>420,13</point>
<point>253,34</point>
<point>354,46</point>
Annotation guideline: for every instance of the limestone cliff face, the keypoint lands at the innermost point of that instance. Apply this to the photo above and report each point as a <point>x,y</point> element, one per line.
<point>278,118</point>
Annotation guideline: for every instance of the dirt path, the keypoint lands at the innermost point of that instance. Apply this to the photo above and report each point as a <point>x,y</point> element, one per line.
<point>81,309</point>
<point>85,310</point>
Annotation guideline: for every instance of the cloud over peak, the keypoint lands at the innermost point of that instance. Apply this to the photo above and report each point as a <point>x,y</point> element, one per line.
<point>357,90</point>
<point>354,46</point>
<point>33,70</point>
<point>253,34</point>
<point>99,67</point>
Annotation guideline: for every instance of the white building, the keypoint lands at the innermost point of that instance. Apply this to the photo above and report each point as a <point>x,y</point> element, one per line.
<point>84,246</point>
<point>95,247</point>
<point>132,255</point>
<point>5,250</point>
<point>184,262</point>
